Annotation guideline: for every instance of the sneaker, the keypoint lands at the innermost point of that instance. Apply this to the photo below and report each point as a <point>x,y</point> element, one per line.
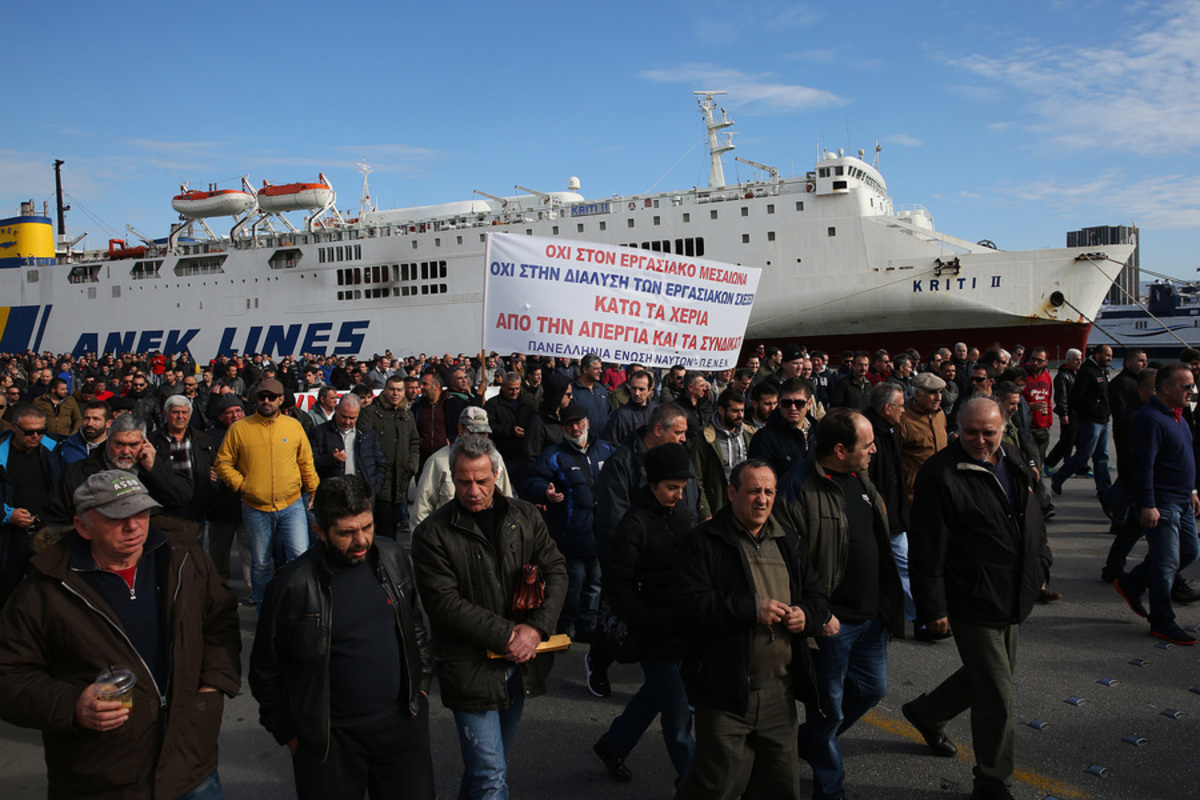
<point>615,765</point>
<point>1173,634</point>
<point>597,679</point>
<point>1184,592</point>
<point>1134,600</point>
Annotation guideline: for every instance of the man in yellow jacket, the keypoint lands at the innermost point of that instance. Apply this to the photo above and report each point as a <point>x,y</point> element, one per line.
<point>266,458</point>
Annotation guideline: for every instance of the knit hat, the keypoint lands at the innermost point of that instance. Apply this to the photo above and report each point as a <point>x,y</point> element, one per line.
<point>668,462</point>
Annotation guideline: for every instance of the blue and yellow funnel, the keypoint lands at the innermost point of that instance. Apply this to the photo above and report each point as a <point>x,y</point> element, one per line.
<point>26,242</point>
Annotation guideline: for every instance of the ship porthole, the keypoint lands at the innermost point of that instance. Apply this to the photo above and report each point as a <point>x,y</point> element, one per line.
<point>1057,299</point>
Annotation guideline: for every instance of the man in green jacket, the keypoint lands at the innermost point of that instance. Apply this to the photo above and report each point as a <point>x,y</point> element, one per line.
<point>118,591</point>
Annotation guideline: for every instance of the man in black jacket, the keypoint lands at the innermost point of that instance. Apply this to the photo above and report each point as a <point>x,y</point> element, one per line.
<point>343,447</point>
<point>1090,410</point>
<point>748,599</point>
<point>783,441</point>
<point>1064,381</point>
<point>886,471</point>
<point>509,414</point>
<point>978,566</point>
<point>390,418</point>
<point>347,691</point>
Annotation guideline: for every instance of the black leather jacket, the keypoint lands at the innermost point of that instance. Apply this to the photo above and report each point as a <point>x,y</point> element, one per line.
<point>289,666</point>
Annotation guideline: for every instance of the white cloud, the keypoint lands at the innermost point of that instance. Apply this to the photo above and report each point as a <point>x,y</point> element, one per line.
<point>902,139</point>
<point>1160,202</point>
<point>1140,90</point>
<point>746,90</point>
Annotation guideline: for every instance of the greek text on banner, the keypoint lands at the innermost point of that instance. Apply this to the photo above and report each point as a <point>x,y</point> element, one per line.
<point>546,297</point>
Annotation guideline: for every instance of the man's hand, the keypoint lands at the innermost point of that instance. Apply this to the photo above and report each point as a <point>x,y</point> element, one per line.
<point>1150,516</point>
<point>833,627</point>
<point>21,518</point>
<point>794,621</point>
<point>146,455</point>
<point>99,715</point>
<point>772,611</point>
<point>293,745</point>
<point>552,495</point>
<point>205,689</point>
<point>522,644</point>
<point>339,455</point>
<point>939,626</point>
<point>1064,419</point>
<point>518,431</point>
<point>1195,505</point>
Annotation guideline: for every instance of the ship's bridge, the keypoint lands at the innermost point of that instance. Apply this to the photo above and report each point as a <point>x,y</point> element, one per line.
<point>840,174</point>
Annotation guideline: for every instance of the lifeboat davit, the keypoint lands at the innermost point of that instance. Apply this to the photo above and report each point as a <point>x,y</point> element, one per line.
<point>197,204</point>
<point>295,196</point>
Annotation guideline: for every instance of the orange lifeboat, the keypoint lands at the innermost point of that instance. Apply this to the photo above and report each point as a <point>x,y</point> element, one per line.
<point>295,196</point>
<point>197,204</point>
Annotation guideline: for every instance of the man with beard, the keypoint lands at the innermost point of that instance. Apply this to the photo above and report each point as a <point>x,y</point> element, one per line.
<point>352,706</point>
<point>633,414</point>
<point>764,399</point>
<point>390,418</point>
<point>724,443</point>
<point>854,390</point>
<point>267,458</point>
<point>127,447</point>
<point>564,479</point>
<point>61,410</point>
<point>91,434</point>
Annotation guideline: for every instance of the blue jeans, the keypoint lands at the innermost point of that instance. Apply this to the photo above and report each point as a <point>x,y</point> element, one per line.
<point>900,555</point>
<point>1093,444</point>
<point>485,737</point>
<point>287,526</point>
<point>662,693</point>
<point>209,790</point>
<point>851,679</point>
<point>583,595</point>
<point>1173,547</point>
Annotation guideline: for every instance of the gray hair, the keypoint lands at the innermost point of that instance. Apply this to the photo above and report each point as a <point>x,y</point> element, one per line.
<point>472,446</point>
<point>978,403</point>
<point>350,401</point>
<point>588,360</point>
<point>176,400</point>
<point>128,423</point>
<point>1074,353</point>
<point>512,377</point>
<point>884,393</point>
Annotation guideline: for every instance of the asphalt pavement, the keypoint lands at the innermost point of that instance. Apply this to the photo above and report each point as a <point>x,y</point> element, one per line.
<point>1088,646</point>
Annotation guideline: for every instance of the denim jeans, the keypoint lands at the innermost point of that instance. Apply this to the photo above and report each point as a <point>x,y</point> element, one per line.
<point>287,526</point>
<point>209,790</point>
<point>662,693</point>
<point>1093,444</point>
<point>583,595</point>
<point>851,679</point>
<point>900,555</point>
<point>485,737</point>
<point>1173,547</point>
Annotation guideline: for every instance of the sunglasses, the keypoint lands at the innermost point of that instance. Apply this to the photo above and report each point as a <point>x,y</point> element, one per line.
<point>790,402</point>
<point>979,379</point>
<point>31,431</point>
<point>268,396</point>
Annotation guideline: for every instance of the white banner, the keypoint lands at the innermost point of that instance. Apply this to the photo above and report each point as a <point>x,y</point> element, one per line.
<point>570,298</point>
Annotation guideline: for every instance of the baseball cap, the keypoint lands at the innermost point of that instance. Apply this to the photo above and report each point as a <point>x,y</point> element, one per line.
<point>115,493</point>
<point>475,420</point>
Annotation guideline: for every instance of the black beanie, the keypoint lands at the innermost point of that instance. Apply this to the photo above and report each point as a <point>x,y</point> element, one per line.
<point>668,462</point>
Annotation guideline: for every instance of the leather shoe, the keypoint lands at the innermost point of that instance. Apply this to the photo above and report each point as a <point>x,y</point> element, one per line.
<point>1183,592</point>
<point>1133,600</point>
<point>615,766</point>
<point>923,634</point>
<point>1048,596</point>
<point>937,741</point>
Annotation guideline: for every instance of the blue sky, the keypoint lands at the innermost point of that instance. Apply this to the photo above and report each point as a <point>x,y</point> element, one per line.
<point>1013,122</point>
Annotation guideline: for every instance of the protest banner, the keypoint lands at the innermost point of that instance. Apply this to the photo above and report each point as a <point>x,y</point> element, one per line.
<point>567,299</point>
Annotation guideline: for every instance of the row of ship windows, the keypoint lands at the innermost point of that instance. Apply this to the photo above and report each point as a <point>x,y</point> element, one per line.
<point>329,255</point>
<point>392,291</point>
<point>383,273</point>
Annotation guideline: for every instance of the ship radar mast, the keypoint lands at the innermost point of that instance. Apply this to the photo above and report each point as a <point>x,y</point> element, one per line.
<point>716,173</point>
<point>364,203</point>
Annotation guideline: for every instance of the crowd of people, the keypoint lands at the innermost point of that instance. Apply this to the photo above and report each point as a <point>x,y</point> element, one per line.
<point>753,538</point>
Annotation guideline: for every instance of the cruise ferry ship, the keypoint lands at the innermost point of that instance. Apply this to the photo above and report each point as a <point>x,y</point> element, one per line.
<point>842,267</point>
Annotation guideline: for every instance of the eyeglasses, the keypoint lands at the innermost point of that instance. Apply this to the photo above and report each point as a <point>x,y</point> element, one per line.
<point>793,402</point>
<point>268,396</point>
<point>31,431</point>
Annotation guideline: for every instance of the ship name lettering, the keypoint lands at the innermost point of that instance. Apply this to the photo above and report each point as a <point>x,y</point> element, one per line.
<point>995,281</point>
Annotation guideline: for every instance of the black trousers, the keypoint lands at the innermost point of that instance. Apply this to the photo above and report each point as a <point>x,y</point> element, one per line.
<point>386,759</point>
<point>391,520</point>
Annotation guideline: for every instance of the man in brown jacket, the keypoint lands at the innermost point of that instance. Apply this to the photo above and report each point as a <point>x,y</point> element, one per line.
<point>118,591</point>
<point>63,416</point>
<point>922,429</point>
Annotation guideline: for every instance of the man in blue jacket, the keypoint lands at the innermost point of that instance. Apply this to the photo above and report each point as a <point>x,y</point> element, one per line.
<point>564,479</point>
<point>343,447</point>
<point>1163,490</point>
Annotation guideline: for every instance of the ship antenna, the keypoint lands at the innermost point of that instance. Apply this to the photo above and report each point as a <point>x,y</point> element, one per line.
<point>364,203</point>
<point>878,148</point>
<point>716,173</point>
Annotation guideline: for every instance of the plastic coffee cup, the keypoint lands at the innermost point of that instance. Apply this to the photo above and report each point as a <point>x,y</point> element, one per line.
<point>116,683</point>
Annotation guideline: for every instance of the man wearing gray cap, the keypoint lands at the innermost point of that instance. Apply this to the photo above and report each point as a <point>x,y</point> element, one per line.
<point>118,591</point>
<point>435,487</point>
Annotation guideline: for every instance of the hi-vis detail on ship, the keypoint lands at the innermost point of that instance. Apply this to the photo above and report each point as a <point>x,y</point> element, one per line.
<point>842,267</point>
